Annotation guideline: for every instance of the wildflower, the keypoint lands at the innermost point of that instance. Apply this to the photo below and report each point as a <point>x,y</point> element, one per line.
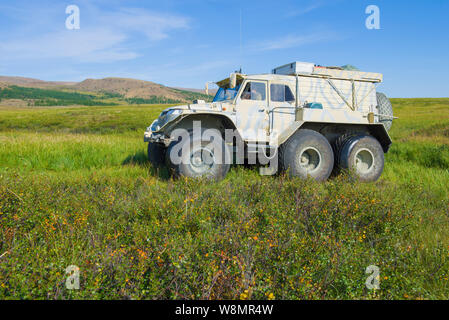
<point>244,295</point>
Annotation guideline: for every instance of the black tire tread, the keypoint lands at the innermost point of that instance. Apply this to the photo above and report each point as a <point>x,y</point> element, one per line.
<point>284,155</point>
<point>156,154</point>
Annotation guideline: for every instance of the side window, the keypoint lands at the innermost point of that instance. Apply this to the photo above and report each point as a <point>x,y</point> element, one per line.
<point>281,93</point>
<point>254,91</point>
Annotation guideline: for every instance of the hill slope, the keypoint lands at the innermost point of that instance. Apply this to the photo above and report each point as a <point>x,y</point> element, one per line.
<point>129,88</point>
<point>28,91</point>
<point>33,83</point>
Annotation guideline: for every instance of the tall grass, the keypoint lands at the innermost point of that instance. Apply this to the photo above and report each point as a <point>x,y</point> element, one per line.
<point>76,189</point>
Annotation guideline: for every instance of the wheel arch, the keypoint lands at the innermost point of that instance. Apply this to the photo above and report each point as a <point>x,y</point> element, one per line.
<point>379,132</point>
<point>208,120</point>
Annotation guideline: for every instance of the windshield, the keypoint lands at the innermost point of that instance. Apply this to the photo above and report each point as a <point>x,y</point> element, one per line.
<point>226,94</point>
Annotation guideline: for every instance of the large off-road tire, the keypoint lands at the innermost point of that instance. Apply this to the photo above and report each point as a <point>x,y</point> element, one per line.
<point>200,158</point>
<point>385,110</point>
<point>338,145</point>
<point>363,156</point>
<point>156,154</point>
<point>307,154</point>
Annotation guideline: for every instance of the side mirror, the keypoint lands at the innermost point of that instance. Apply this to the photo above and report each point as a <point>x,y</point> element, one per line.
<point>232,80</point>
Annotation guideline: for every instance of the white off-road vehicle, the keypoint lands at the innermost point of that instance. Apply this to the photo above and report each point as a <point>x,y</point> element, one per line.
<point>310,119</point>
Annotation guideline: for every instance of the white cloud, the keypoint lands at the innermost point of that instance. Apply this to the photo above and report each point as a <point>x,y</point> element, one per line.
<point>304,10</point>
<point>290,41</point>
<point>155,26</point>
<point>85,45</point>
<point>106,42</point>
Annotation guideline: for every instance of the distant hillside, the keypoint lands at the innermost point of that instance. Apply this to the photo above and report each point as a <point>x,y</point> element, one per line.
<point>212,91</point>
<point>33,83</point>
<point>108,91</point>
<point>129,88</point>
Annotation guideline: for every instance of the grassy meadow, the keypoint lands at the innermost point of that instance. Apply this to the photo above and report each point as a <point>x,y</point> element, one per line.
<point>76,189</point>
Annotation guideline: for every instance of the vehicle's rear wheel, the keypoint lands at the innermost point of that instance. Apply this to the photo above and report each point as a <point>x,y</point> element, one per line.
<point>363,156</point>
<point>202,157</point>
<point>307,154</point>
<point>156,154</point>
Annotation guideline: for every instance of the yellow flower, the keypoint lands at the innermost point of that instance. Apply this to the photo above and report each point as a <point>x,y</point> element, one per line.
<point>244,295</point>
<point>270,296</point>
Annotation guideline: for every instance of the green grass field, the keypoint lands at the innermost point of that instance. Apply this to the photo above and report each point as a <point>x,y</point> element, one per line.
<point>76,189</point>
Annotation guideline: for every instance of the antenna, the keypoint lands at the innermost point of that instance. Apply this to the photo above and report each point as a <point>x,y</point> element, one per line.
<point>241,54</point>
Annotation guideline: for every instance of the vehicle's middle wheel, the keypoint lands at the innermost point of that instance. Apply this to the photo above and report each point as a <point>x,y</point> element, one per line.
<point>308,154</point>
<point>199,157</point>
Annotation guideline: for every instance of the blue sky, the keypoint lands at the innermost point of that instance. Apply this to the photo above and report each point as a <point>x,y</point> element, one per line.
<point>186,43</point>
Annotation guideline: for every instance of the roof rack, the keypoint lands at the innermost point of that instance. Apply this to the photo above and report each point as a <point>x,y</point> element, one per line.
<point>312,70</point>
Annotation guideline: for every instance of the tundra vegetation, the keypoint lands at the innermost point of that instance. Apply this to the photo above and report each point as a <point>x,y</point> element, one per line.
<point>76,189</point>
<point>66,97</point>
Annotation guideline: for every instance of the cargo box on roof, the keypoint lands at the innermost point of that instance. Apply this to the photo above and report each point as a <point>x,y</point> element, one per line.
<point>307,68</point>
<point>294,68</point>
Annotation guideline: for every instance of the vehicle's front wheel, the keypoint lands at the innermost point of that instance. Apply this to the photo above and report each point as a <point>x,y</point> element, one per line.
<point>363,156</point>
<point>307,154</point>
<point>199,157</point>
<point>156,154</point>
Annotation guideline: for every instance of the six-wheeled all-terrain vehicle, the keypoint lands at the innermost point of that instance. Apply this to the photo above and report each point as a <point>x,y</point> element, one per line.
<point>305,119</point>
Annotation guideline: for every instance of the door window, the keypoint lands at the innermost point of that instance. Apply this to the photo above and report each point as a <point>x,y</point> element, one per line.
<point>254,91</point>
<point>281,93</point>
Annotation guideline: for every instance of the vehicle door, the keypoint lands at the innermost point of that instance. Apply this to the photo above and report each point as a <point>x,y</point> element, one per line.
<point>251,111</point>
<point>282,106</point>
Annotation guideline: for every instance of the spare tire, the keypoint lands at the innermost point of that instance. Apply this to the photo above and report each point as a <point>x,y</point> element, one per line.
<point>385,110</point>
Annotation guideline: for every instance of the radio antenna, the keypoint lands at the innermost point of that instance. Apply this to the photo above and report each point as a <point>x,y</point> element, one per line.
<point>241,50</point>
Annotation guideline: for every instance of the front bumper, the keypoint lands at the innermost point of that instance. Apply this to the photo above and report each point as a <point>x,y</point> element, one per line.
<point>156,137</point>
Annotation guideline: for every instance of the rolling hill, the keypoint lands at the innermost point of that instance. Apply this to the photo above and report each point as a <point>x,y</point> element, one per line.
<point>33,83</point>
<point>111,91</point>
